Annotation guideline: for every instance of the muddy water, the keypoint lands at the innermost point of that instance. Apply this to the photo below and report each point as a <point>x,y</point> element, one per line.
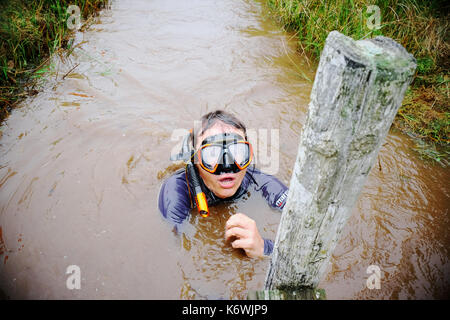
<point>82,162</point>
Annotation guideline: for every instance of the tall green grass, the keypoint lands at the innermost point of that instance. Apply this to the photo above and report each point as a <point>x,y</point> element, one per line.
<point>29,32</point>
<point>420,26</point>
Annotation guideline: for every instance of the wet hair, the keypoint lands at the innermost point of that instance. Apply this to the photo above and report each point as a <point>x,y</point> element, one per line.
<point>211,118</point>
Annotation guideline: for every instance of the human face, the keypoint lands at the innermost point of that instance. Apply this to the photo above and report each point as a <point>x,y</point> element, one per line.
<point>224,185</point>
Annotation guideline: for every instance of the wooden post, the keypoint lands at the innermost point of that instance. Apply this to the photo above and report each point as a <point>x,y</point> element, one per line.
<point>358,88</point>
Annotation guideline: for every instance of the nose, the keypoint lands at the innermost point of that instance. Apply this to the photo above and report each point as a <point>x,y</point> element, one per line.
<point>227,164</point>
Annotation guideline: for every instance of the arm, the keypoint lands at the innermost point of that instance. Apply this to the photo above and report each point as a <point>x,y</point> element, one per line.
<point>272,189</point>
<point>174,202</point>
<point>275,193</point>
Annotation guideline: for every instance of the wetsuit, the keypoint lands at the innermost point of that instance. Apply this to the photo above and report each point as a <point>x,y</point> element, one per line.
<point>175,201</point>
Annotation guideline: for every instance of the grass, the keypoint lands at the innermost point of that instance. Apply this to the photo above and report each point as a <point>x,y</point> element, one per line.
<point>420,26</point>
<point>30,31</point>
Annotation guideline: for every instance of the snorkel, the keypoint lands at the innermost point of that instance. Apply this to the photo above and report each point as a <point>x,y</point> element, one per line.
<point>187,154</point>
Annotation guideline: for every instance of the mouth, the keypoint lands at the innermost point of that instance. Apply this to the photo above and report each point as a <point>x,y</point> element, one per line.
<point>227,180</point>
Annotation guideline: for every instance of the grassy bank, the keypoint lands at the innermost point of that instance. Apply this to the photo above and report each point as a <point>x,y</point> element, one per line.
<point>420,26</point>
<point>30,31</point>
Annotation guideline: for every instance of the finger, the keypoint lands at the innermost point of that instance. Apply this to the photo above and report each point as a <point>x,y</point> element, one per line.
<point>234,220</point>
<point>236,232</point>
<point>238,220</point>
<point>241,243</point>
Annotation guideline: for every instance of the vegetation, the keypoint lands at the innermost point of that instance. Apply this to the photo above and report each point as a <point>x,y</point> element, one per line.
<point>30,31</point>
<point>420,26</point>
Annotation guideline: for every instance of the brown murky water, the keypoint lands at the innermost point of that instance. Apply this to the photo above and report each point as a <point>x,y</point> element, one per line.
<point>82,162</point>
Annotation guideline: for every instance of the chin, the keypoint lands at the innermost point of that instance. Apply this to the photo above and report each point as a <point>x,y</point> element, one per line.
<point>226,193</point>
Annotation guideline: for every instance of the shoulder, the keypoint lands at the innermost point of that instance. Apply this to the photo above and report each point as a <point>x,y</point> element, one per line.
<point>271,188</point>
<point>174,201</point>
<point>262,179</point>
<point>176,180</point>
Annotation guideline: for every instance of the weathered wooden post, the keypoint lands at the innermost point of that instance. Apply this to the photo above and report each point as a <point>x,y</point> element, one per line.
<point>358,89</point>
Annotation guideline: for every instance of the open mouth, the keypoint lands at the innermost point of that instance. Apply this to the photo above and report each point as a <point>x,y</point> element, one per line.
<point>227,181</point>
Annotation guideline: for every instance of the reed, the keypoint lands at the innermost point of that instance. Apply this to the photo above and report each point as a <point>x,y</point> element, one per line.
<point>420,26</point>
<point>30,31</point>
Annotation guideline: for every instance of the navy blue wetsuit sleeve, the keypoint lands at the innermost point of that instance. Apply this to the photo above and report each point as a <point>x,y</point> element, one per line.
<point>272,189</point>
<point>268,247</point>
<point>174,202</point>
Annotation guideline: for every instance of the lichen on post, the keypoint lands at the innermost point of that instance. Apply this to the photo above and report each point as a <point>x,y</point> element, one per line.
<point>358,88</point>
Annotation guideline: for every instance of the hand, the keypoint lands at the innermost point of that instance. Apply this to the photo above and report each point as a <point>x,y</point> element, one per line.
<point>246,232</point>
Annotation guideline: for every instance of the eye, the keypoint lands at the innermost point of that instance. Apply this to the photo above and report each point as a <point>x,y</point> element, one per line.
<point>240,152</point>
<point>210,155</point>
